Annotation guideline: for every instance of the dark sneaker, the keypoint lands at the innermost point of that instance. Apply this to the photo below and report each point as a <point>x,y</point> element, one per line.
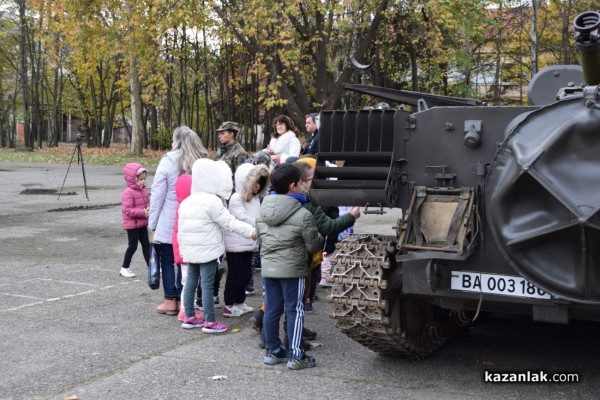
<point>305,361</point>
<point>217,302</point>
<point>249,291</point>
<point>256,321</point>
<point>254,324</point>
<point>308,308</point>
<point>276,357</point>
<point>306,346</point>
<point>308,334</point>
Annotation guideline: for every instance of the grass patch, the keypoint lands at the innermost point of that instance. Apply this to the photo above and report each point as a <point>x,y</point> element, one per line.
<point>115,155</point>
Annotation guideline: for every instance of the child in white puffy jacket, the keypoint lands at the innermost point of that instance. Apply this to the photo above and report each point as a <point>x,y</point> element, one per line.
<point>251,182</point>
<point>203,218</point>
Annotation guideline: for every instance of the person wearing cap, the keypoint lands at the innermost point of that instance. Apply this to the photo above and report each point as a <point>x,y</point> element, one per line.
<point>230,150</point>
<point>135,207</point>
<point>234,155</point>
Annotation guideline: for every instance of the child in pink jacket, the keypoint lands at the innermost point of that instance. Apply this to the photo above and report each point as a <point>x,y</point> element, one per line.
<point>135,206</point>
<point>183,188</point>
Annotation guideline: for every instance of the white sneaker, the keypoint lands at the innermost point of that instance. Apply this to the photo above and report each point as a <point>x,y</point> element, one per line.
<point>232,312</point>
<point>125,272</point>
<point>243,308</point>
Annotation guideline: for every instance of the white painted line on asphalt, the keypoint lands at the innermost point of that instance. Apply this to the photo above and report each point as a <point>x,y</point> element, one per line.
<point>79,294</point>
<point>71,282</point>
<point>20,295</point>
<point>23,306</point>
<point>53,299</point>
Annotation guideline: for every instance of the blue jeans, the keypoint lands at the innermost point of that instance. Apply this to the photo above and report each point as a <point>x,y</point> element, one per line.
<point>207,272</point>
<point>171,283</point>
<point>288,294</point>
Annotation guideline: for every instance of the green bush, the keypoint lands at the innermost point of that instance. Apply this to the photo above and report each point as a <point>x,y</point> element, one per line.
<point>164,137</point>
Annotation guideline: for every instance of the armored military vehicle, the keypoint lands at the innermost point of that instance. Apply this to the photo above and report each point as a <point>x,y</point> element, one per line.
<point>500,207</point>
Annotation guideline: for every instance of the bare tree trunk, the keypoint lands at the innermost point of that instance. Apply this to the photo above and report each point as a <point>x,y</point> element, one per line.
<point>414,69</point>
<point>153,125</point>
<point>24,70</point>
<point>38,98</point>
<point>136,108</point>
<point>534,37</point>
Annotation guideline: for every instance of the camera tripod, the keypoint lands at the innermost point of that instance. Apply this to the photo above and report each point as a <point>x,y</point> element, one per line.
<point>79,159</point>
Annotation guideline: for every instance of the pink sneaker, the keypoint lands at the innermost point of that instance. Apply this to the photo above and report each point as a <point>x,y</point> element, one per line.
<point>199,314</point>
<point>214,327</point>
<point>191,323</point>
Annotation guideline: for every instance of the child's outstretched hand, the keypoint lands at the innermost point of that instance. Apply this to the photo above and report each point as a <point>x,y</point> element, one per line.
<point>355,212</point>
<point>253,237</point>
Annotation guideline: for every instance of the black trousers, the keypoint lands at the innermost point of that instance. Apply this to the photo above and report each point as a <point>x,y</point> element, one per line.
<point>134,236</point>
<point>239,272</point>
<point>315,278</point>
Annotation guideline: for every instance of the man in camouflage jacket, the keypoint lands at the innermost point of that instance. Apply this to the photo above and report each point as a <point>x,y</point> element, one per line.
<point>230,150</point>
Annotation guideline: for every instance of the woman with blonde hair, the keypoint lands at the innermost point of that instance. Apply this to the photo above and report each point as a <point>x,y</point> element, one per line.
<point>186,148</point>
<point>285,141</point>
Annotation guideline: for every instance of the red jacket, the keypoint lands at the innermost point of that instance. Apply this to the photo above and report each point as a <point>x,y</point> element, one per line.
<point>183,188</point>
<point>134,199</point>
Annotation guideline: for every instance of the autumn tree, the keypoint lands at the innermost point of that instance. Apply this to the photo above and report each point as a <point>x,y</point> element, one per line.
<point>303,48</point>
<point>9,85</point>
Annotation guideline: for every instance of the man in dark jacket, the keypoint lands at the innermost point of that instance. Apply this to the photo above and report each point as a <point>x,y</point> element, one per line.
<point>312,144</point>
<point>230,150</point>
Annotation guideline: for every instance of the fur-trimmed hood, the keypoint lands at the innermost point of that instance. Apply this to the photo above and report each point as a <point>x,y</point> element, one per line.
<point>247,175</point>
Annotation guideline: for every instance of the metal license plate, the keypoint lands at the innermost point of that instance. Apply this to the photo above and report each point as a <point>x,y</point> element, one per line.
<point>505,285</point>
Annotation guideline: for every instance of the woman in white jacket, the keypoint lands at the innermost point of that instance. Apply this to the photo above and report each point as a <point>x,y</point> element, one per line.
<point>285,141</point>
<point>202,219</point>
<point>252,182</point>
